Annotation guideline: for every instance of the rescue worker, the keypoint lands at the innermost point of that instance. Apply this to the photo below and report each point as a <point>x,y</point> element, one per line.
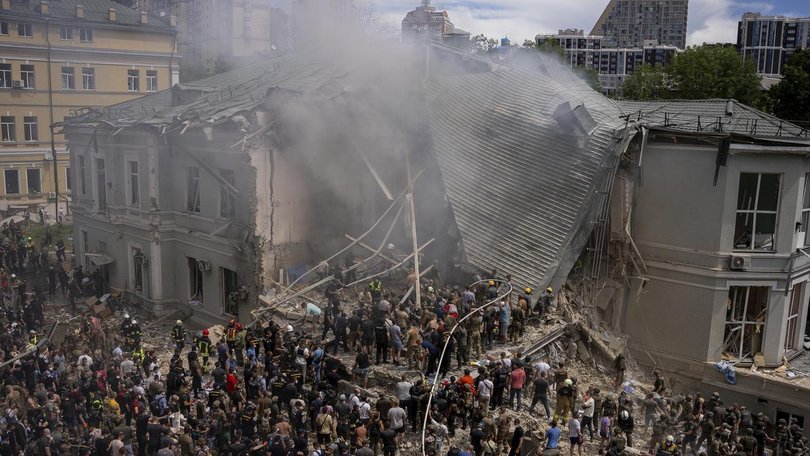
<point>544,302</point>
<point>204,347</point>
<point>135,334</point>
<point>179,335</point>
<point>33,338</point>
<point>626,424</point>
<point>230,335</point>
<point>375,288</point>
<point>668,448</point>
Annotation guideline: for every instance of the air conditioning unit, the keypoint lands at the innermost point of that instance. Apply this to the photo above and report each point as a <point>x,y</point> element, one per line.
<point>739,262</point>
<point>18,84</point>
<point>52,196</point>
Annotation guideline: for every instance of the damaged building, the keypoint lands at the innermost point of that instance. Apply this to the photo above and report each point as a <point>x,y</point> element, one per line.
<point>679,224</point>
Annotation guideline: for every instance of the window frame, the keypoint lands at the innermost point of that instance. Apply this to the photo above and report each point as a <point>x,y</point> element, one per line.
<point>5,181</point>
<point>88,74</point>
<point>7,80</point>
<point>754,212</point>
<point>70,82</point>
<point>8,129</point>
<point>68,179</point>
<point>133,182</point>
<point>133,80</point>
<point>65,33</point>
<point>227,202</point>
<point>38,180</point>
<point>193,190</point>
<point>793,338</point>
<point>151,81</point>
<point>81,173</point>
<point>739,299</point>
<point>30,129</point>
<point>28,76</point>
<point>5,28</point>
<point>84,33</point>
<point>27,28</point>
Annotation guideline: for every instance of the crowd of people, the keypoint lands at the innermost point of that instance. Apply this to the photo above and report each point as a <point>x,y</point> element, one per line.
<point>301,388</point>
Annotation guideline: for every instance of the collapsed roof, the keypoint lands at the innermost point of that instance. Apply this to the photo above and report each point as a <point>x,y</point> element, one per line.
<point>524,151</point>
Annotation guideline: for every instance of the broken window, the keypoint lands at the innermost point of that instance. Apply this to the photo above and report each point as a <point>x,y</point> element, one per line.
<point>230,291</point>
<point>137,268</point>
<point>794,309</point>
<point>195,280</point>
<point>133,176</point>
<point>804,241</point>
<point>227,202</point>
<point>746,310</point>
<point>757,204</point>
<point>101,185</point>
<point>193,189</point>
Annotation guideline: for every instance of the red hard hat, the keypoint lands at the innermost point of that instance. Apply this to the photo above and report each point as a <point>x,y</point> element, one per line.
<point>239,326</point>
<point>205,332</point>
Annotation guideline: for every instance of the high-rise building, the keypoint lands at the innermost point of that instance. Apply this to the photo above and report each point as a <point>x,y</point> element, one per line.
<point>59,57</point>
<point>769,41</point>
<point>629,23</point>
<point>425,23</point>
<point>214,32</point>
<point>612,65</point>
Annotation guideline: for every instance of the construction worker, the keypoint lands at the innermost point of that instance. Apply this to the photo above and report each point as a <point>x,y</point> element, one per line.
<point>179,335</point>
<point>204,347</point>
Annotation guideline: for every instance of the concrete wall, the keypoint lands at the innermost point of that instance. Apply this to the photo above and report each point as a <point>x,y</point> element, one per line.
<point>684,227</point>
<point>158,223</point>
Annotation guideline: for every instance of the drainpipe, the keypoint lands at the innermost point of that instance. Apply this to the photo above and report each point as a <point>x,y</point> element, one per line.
<point>50,113</point>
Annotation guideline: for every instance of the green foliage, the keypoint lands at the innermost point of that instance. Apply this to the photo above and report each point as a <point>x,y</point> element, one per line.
<point>527,43</point>
<point>482,44</point>
<point>700,72</point>
<point>714,72</point>
<point>646,83</point>
<point>791,96</point>
<point>551,47</point>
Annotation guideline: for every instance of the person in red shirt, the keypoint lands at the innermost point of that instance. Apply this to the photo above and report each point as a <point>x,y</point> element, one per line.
<point>516,381</point>
<point>231,381</point>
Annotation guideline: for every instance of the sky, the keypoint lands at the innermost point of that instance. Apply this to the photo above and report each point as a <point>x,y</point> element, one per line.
<point>710,21</point>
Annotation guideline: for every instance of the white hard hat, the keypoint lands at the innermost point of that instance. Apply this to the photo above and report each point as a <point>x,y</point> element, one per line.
<point>430,289</point>
<point>289,328</point>
<point>126,315</point>
<point>13,276</point>
<point>134,322</point>
<point>178,322</point>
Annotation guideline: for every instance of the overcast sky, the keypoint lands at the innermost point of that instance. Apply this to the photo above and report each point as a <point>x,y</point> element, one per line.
<point>710,21</point>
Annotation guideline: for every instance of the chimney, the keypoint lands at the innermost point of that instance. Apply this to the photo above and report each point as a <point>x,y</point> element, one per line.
<point>43,7</point>
<point>6,4</point>
<point>112,15</point>
<point>80,11</point>
<point>173,20</point>
<point>144,17</point>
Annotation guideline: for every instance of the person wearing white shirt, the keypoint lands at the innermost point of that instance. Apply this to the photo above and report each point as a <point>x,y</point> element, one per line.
<point>588,404</point>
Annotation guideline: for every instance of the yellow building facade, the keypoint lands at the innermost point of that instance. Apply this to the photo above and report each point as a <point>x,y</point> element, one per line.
<point>57,58</point>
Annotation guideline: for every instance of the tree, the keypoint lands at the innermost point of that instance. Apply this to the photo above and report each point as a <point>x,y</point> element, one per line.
<point>791,96</point>
<point>714,72</point>
<point>527,43</point>
<point>551,46</point>
<point>483,44</point>
<point>646,83</point>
